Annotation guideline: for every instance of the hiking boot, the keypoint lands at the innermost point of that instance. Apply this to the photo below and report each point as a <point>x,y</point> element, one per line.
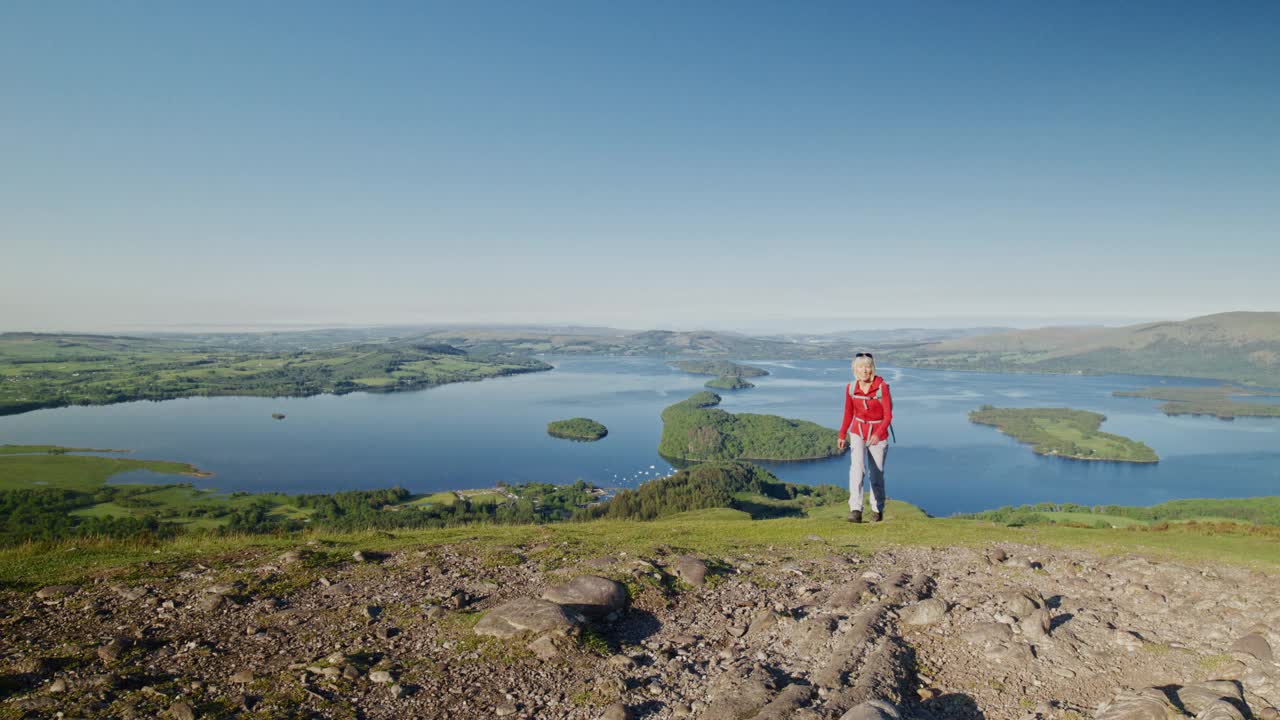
<point>855,516</point>
<point>877,516</point>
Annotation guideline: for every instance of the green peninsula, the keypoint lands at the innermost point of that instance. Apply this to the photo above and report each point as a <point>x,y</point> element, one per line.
<point>1064,432</point>
<point>53,496</point>
<point>720,368</point>
<point>694,429</point>
<point>1216,401</point>
<point>42,370</point>
<point>578,428</point>
<point>729,382</point>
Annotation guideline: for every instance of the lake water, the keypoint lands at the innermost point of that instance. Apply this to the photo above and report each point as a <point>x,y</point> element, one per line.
<point>469,435</point>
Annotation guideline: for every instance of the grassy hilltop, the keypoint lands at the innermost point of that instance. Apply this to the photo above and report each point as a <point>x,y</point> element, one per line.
<point>712,509</point>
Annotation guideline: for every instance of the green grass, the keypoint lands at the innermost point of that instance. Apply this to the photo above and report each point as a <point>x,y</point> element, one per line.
<point>1084,518</point>
<point>486,498</point>
<point>711,533</point>
<point>76,472</point>
<point>440,498</point>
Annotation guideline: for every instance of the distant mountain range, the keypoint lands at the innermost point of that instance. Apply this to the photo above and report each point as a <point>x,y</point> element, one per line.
<point>1241,347</point>
<point>1237,346</point>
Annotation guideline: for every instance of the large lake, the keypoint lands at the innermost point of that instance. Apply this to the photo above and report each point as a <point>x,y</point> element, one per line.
<point>473,434</point>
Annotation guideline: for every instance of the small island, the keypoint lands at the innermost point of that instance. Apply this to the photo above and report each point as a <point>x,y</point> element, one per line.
<point>277,415</point>
<point>1215,401</point>
<point>729,382</point>
<point>719,368</point>
<point>696,430</point>
<point>578,428</point>
<point>1064,432</point>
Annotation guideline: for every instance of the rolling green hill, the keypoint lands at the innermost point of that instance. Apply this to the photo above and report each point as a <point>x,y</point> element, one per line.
<point>1238,346</point>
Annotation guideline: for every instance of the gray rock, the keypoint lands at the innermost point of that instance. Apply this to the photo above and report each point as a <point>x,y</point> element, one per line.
<point>112,651</point>
<point>873,710</point>
<point>1021,604</point>
<point>527,615</point>
<point>1221,710</point>
<point>244,676</point>
<point>690,569</point>
<point>1144,704</point>
<point>1012,653</point>
<point>129,594</point>
<point>1254,645</point>
<point>545,648</point>
<point>987,633</point>
<point>786,703</point>
<point>617,711</point>
<point>589,594</point>
<point>1035,626</point>
<point>57,686</point>
<point>212,603</point>
<point>182,711</point>
<point>925,612</point>
<point>380,676</point>
<point>995,556</point>
<point>1198,697</point>
<point>57,592</point>
<point>849,596</point>
<point>1126,639</point>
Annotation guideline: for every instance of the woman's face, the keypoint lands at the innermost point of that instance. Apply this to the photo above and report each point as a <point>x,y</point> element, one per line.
<point>863,373</point>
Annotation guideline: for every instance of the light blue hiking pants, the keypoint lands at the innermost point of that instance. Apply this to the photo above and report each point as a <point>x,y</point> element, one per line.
<point>859,451</point>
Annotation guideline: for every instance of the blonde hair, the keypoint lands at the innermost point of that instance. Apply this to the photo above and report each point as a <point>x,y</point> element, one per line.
<point>863,360</point>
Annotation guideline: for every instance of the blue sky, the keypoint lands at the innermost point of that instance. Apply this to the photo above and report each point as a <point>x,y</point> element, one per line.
<point>659,164</point>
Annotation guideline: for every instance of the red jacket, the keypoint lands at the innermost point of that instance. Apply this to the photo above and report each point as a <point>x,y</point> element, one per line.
<point>870,413</point>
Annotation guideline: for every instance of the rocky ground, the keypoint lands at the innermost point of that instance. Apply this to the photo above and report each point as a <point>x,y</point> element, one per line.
<point>996,632</point>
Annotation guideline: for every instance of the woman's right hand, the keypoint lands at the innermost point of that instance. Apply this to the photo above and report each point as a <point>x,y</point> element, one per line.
<point>840,442</point>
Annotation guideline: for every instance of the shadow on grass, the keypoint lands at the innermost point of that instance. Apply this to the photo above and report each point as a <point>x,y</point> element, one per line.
<point>765,511</point>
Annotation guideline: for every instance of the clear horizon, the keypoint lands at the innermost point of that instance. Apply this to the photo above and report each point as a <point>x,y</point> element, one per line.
<point>753,166</point>
<point>797,326</point>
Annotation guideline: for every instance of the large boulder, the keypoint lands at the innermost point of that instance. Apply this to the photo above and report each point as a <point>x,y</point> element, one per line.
<point>1197,698</point>
<point>1021,603</point>
<point>589,594</point>
<point>690,569</point>
<point>528,615</point>
<point>1145,704</point>
<point>925,612</point>
<point>873,710</point>
<point>1254,645</point>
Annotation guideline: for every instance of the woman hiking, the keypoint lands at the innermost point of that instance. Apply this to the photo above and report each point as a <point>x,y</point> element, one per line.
<point>868,411</point>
